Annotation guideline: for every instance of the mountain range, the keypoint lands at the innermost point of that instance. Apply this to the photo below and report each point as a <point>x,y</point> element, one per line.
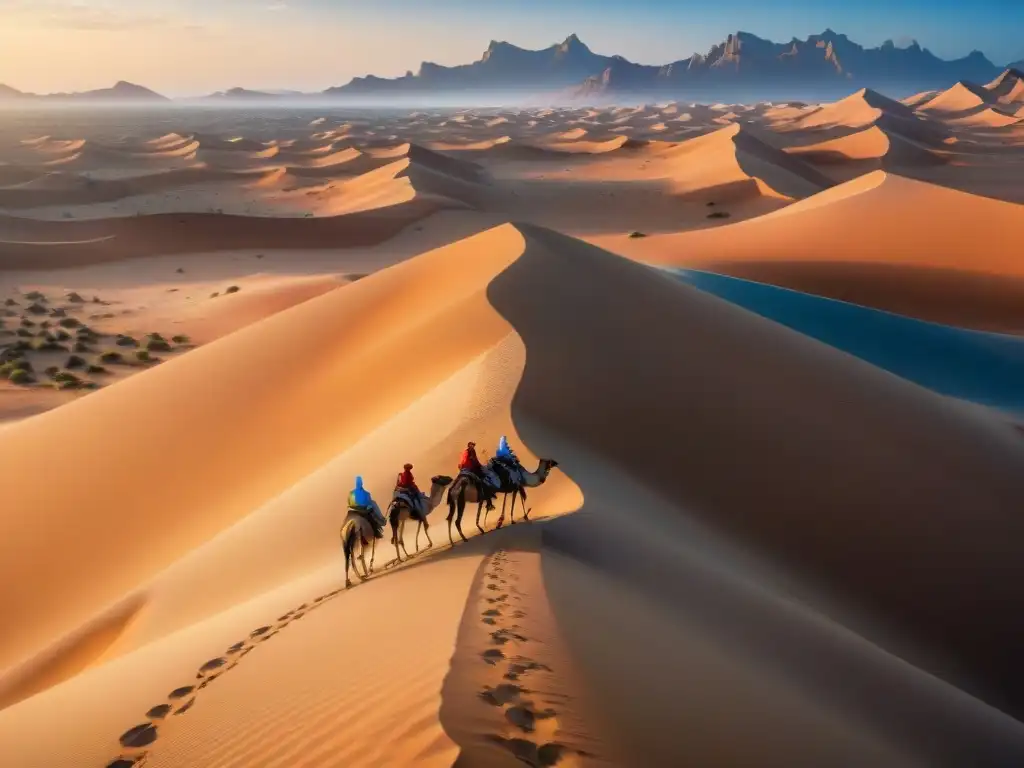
<point>742,64</point>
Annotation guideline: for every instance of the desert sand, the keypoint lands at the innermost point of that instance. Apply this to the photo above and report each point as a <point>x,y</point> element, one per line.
<point>775,350</point>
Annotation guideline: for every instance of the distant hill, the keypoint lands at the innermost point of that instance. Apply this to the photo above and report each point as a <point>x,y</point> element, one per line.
<point>120,91</point>
<point>502,67</point>
<point>246,94</point>
<point>741,62</point>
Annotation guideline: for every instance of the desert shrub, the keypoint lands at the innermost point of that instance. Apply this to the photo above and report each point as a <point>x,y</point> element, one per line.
<point>21,376</point>
<point>10,303</point>
<point>126,341</point>
<point>719,215</point>
<point>50,346</point>
<point>90,385</point>
<point>82,348</point>
<point>143,356</point>
<point>232,289</point>
<point>111,357</point>
<point>25,333</point>
<point>636,233</point>
<point>6,369</point>
<point>58,312</point>
<point>26,323</point>
<point>94,370</point>
<point>35,296</point>
<point>66,376</point>
<point>22,345</point>
<point>180,271</point>
<point>45,324</point>
<point>181,339</point>
<point>75,298</point>
<point>156,345</point>
<point>74,362</point>
<point>62,335</point>
<point>214,295</point>
<point>36,309</point>
<point>51,371</point>
<point>69,322</point>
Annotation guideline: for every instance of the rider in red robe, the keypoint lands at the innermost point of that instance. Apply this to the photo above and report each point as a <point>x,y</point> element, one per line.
<point>470,463</point>
<point>406,481</point>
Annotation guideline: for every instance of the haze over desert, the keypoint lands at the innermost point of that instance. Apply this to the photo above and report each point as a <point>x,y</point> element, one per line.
<point>761,366</point>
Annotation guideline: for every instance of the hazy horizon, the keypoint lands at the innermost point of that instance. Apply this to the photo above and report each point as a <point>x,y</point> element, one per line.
<point>184,48</point>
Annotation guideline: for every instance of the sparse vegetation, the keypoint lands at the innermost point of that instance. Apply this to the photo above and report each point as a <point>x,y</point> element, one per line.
<point>69,322</point>
<point>11,303</point>
<point>36,309</point>
<point>45,324</point>
<point>636,233</point>
<point>75,298</point>
<point>719,215</point>
<point>181,339</point>
<point>112,358</point>
<point>126,341</point>
<point>156,343</point>
<point>21,376</point>
<point>58,312</point>
<point>26,323</point>
<point>232,289</point>
<point>82,348</point>
<point>74,362</point>
<point>94,370</point>
<point>35,296</point>
<point>180,271</point>
<point>143,356</point>
<point>51,371</point>
<point>50,346</point>
<point>25,333</point>
<point>214,295</point>
<point>62,335</point>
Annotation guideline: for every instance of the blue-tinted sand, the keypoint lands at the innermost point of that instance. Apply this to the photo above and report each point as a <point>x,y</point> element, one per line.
<point>984,368</point>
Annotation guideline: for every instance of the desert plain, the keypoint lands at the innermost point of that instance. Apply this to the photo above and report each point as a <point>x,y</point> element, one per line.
<point>775,349</point>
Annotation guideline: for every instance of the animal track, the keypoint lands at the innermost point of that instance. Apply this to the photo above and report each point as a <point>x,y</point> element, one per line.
<point>534,727</point>
<point>137,740</point>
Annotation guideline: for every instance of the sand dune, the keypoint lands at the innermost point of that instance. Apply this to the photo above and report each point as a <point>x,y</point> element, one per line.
<point>511,296</point>
<point>733,160</point>
<point>914,226</point>
<point>802,508</point>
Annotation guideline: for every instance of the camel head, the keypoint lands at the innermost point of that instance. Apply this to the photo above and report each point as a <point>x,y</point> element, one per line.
<point>546,465</point>
<point>441,480</point>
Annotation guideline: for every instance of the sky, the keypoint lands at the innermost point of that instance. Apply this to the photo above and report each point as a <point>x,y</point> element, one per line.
<point>194,47</point>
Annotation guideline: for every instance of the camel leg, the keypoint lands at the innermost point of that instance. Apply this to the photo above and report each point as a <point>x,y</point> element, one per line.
<point>419,525</point>
<point>526,509</point>
<point>479,509</point>
<point>395,527</point>
<point>512,511</point>
<point>402,539</point>
<point>458,519</point>
<point>426,532</point>
<point>373,553</point>
<point>347,546</point>
<point>501,517</point>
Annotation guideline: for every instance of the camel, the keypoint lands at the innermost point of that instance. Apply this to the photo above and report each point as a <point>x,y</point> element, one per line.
<point>399,512</point>
<point>464,490</point>
<point>357,531</point>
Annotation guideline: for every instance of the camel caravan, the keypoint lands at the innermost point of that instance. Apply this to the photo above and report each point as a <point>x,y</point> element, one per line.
<point>476,483</point>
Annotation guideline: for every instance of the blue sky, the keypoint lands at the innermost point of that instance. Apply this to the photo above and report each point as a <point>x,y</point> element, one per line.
<point>195,46</point>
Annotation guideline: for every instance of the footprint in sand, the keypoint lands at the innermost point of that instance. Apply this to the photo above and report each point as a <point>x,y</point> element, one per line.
<point>137,738</point>
<point>492,656</point>
<point>542,756</point>
<point>499,696</point>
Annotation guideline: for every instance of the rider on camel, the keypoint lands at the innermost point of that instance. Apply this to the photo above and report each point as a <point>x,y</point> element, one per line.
<point>406,482</point>
<point>471,464</point>
<point>507,457</point>
<point>361,502</point>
